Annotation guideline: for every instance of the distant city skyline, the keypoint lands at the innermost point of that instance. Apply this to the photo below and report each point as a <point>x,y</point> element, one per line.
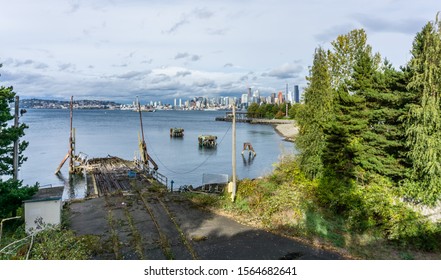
<point>161,50</point>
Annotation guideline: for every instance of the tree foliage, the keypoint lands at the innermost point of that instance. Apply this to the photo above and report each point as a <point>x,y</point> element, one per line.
<point>12,193</point>
<point>314,115</point>
<point>267,111</point>
<point>423,126</point>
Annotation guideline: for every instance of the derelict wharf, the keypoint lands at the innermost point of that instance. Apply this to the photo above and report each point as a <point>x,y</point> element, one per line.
<point>112,174</point>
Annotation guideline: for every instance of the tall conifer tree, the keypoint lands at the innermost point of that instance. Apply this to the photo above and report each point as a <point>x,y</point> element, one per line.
<point>12,193</point>
<point>315,114</point>
<point>424,118</point>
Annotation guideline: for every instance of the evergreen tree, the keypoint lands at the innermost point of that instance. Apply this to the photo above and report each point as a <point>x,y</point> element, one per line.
<point>12,193</point>
<point>423,126</point>
<point>318,98</point>
<point>383,138</point>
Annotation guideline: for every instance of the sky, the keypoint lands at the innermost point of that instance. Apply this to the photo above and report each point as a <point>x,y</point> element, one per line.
<point>160,50</point>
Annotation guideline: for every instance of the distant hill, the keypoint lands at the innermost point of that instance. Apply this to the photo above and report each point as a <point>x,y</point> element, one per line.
<point>62,104</point>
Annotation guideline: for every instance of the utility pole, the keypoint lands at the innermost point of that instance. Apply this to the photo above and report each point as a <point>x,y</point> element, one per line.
<point>16,142</point>
<point>71,153</point>
<point>233,156</point>
<point>71,140</point>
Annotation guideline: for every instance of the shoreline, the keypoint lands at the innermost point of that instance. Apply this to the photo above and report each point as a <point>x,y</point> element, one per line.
<point>287,130</point>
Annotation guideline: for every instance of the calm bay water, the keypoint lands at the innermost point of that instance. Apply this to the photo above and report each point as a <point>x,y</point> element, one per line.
<point>102,132</point>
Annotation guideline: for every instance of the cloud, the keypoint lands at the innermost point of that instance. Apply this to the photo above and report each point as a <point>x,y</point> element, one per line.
<point>147,61</point>
<point>134,75</point>
<point>408,26</point>
<point>330,34</point>
<point>181,55</point>
<point>202,13</point>
<point>183,73</point>
<point>198,13</point>
<point>190,57</point>
<point>160,78</point>
<point>285,71</point>
<point>74,5</point>
<point>204,83</point>
<point>41,65</point>
<point>218,32</point>
<point>66,66</point>
<point>195,57</point>
<point>228,65</point>
<point>176,26</point>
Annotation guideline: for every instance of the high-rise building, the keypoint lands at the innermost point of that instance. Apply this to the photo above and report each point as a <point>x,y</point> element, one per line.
<point>244,99</point>
<point>296,94</point>
<point>280,98</point>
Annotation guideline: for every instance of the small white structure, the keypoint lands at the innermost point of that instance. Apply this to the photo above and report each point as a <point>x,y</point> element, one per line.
<point>43,209</point>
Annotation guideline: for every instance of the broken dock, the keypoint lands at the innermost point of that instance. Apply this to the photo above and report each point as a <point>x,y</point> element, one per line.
<point>113,174</point>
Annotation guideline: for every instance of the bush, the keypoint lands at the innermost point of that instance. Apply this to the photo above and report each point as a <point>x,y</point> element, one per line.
<point>376,208</point>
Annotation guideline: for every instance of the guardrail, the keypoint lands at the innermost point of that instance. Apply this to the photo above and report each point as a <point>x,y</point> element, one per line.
<point>157,176</point>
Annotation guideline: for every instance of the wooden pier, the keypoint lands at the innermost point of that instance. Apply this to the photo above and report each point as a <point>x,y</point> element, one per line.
<point>113,174</point>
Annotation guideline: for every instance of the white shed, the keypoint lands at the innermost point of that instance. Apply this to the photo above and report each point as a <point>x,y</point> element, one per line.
<point>43,209</point>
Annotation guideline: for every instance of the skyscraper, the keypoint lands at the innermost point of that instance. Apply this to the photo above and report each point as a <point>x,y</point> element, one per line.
<point>296,94</point>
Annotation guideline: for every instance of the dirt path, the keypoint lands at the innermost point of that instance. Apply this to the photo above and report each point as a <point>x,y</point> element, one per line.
<point>158,225</point>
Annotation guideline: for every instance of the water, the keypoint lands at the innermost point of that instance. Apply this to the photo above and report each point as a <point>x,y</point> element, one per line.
<point>100,133</point>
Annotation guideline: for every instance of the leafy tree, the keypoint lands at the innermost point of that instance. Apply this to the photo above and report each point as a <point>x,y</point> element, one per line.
<point>11,191</point>
<point>345,54</point>
<point>315,113</point>
<point>252,110</point>
<point>423,123</point>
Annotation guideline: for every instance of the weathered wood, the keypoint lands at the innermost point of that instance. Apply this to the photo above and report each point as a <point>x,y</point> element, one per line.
<point>62,162</point>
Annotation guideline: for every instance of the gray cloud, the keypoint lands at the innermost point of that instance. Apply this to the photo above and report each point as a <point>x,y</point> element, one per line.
<point>120,65</point>
<point>285,71</point>
<point>218,32</point>
<point>74,5</point>
<point>198,13</point>
<point>27,62</point>
<point>408,26</point>
<point>190,57</point>
<point>183,73</point>
<point>134,75</point>
<point>202,13</point>
<point>161,78</point>
<point>177,25</point>
<point>41,65</point>
<point>195,57</point>
<point>228,65</point>
<point>331,33</point>
<point>147,61</point>
<point>204,83</point>
<point>181,55</point>
<point>66,66</point>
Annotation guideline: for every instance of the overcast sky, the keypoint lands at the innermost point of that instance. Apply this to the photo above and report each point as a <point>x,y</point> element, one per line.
<point>160,50</point>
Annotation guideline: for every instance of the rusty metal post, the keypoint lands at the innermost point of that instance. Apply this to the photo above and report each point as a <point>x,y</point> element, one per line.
<point>71,140</point>
<point>16,142</point>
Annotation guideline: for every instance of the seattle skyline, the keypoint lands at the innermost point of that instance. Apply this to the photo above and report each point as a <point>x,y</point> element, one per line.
<point>116,50</point>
